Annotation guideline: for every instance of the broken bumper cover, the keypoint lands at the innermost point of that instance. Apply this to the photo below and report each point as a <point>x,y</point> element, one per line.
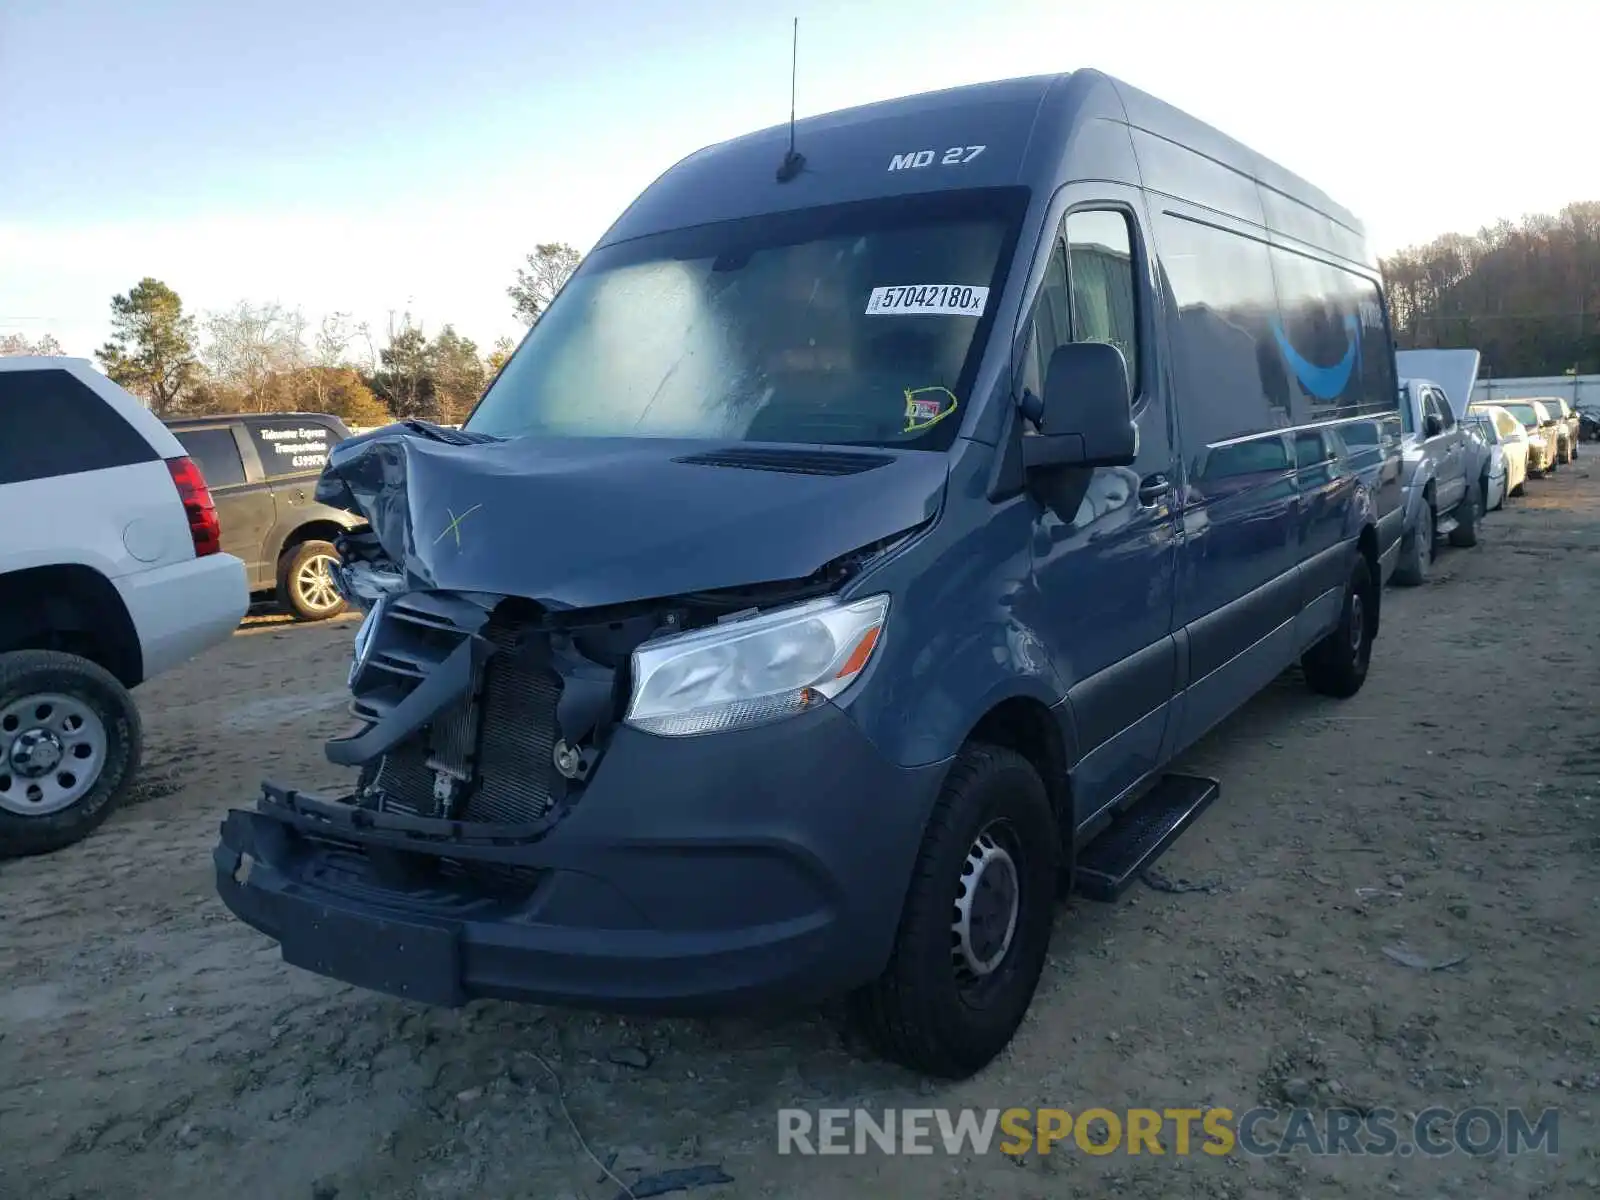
<point>695,874</point>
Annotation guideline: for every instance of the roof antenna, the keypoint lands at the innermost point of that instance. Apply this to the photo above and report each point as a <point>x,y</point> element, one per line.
<point>793,161</point>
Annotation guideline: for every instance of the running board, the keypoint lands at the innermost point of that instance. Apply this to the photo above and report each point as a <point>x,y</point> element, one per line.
<point>1109,864</point>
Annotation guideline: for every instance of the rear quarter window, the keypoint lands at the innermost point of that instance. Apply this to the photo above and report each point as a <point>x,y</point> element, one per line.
<point>52,423</point>
<point>216,453</point>
<point>292,445</point>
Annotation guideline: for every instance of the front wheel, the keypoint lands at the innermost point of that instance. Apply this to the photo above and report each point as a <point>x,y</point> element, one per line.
<point>70,739</point>
<point>976,923</point>
<point>1337,665</point>
<point>1416,551</point>
<point>305,586</point>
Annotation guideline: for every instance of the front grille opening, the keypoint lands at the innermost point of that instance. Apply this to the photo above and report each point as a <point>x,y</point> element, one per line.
<point>514,776</point>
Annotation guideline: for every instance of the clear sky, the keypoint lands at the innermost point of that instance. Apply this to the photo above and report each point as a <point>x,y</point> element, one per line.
<point>378,155</point>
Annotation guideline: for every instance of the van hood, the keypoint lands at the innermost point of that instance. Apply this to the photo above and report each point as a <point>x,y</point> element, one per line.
<point>586,522</point>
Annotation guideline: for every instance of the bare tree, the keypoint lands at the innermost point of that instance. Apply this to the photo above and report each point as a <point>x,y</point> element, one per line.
<point>549,267</point>
<point>14,344</point>
<point>330,352</point>
<point>254,350</point>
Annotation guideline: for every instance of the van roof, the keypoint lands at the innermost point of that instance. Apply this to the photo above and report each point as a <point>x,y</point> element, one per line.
<point>1019,128</point>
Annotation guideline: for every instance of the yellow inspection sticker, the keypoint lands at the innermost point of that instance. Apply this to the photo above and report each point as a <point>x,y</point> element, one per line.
<point>927,406</point>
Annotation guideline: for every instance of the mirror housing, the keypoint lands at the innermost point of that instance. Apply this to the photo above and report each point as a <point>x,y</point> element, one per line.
<point>1432,426</point>
<point>1085,417</point>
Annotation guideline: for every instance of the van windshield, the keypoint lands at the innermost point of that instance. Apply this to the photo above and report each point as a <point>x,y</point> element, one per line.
<point>856,324</point>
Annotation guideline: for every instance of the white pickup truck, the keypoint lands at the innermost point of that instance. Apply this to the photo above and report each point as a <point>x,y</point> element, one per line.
<point>1442,462</point>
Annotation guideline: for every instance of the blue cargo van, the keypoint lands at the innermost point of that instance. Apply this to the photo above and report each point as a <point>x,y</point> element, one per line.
<point>831,576</point>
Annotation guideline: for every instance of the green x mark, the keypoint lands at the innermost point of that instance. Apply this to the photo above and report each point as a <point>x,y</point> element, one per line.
<point>455,525</point>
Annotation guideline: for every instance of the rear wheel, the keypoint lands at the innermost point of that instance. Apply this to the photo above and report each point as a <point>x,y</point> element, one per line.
<point>70,739</point>
<point>305,587</point>
<point>1337,665</point>
<point>976,924</point>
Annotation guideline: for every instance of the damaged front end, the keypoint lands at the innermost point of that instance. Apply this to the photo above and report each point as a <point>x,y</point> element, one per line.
<point>534,816</point>
<point>480,710</point>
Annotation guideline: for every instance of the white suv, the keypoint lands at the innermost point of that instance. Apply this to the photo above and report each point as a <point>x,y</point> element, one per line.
<point>111,572</point>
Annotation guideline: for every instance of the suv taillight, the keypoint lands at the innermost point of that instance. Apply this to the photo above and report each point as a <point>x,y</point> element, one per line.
<point>202,513</point>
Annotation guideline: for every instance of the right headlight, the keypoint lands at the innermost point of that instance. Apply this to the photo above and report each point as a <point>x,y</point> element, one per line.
<point>748,672</point>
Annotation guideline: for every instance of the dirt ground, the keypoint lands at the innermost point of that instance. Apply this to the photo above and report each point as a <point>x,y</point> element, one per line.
<point>152,1046</point>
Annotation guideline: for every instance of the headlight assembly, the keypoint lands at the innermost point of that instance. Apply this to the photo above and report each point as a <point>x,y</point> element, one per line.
<point>748,672</point>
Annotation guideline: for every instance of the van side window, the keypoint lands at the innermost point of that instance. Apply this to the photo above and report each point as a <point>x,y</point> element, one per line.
<point>1104,291</point>
<point>1230,379</point>
<point>1091,300</point>
<point>216,454</point>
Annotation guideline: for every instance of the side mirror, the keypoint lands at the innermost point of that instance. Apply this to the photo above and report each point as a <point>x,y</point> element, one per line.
<point>1085,417</point>
<point>1432,426</point>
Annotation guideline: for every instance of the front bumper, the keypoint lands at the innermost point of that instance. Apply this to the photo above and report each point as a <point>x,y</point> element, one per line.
<point>694,874</point>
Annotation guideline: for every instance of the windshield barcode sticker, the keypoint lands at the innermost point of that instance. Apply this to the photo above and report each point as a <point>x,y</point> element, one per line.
<point>931,299</point>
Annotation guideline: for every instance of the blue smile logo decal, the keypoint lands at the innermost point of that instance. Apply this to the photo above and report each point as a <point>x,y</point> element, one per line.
<point>1325,383</point>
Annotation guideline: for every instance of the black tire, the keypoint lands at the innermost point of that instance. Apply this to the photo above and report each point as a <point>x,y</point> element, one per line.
<point>1465,534</point>
<point>297,595</point>
<point>1522,488</point>
<point>1416,552</point>
<point>927,1011</point>
<point>1337,665</point>
<point>29,674</point>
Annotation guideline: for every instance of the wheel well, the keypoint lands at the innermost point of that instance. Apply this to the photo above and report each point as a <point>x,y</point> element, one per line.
<point>74,609</point>
<point>311,531</point>
<point>1028,727</point>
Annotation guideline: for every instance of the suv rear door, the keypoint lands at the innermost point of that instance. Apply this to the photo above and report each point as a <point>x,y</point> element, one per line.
<point>244,501</point>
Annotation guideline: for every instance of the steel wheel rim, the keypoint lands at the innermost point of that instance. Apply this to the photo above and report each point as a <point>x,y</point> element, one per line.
<point>313,584</point>
<point>53,748</point>
<point>987,909</point>
<point>1358,622</point>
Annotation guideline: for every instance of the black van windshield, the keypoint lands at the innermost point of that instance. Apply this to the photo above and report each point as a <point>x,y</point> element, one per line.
<point>856,324</point>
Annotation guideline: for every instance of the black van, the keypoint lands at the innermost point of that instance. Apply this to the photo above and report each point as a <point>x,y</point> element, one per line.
<point>262,469</point>
<point>838,565</point>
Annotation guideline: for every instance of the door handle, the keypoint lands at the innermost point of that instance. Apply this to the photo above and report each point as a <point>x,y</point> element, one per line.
<point>1152,488</point>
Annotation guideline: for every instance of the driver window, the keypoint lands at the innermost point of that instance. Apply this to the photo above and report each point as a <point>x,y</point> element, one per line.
<point>1443,405</point>
<point>1089,294</point>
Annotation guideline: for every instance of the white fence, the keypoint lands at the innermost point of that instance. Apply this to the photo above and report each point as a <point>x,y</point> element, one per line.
<point>1575,389</point>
